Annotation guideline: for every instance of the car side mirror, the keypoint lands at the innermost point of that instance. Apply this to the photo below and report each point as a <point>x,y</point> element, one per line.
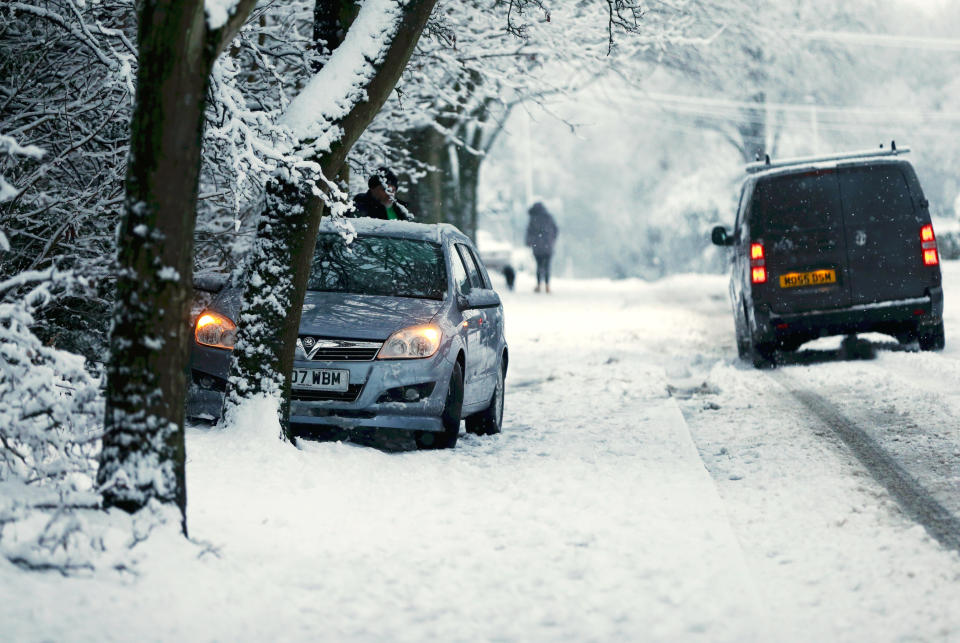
<point>479,298</point>
<point>721,237</point>
<point>488,299</point>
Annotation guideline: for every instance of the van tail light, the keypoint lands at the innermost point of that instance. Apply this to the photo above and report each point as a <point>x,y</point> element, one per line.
<point>928,243</point>
<point>758,268</point>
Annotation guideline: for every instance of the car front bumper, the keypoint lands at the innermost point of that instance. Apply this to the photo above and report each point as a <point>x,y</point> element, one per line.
<point>380,385</point>
<point>379,402</point>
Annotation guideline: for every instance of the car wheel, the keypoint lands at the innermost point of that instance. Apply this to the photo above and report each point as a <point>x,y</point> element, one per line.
<point>932,338</point>
<point>743,339</point>
<point>762,355</point>
<point>490,420</point>
<point>446,439</point>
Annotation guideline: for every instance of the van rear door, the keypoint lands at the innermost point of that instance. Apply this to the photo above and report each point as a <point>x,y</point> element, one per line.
<point>883,233</point>
<point>798,220</point>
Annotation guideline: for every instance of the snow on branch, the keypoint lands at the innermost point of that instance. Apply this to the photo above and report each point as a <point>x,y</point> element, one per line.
<point>219,11</point>
<point>10,147</point>
<point>333,92</point>
<point>79,31</point>
<point>252,84</point>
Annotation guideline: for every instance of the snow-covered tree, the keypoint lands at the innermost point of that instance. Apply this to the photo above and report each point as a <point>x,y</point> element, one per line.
<point>143,452</point>
<point>326,118</point>
<point>66,87</point>
<point>483,59</point>
<point>252,83</point>
<point>50,427</point>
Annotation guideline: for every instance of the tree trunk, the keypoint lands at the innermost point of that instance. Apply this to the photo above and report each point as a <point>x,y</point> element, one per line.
<point>286,230</point>
<point>449,191</point>
<point>470,162</point>
<point>426,196</point>
<point>450,181</point>
<point>283,251</point>
<point>143,451</point>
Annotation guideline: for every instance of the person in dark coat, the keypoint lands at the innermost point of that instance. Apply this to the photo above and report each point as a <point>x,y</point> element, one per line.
<point>541,236</point>
<point>380,199</point>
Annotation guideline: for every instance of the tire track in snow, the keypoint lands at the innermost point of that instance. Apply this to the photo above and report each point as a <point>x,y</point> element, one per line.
<point>914,499</point>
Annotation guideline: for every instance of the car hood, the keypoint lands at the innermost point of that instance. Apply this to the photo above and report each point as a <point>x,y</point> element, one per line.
<point>350,316</point>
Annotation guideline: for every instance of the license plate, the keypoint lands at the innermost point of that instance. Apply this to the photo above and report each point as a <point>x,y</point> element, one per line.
<point>812,278</point>
<point>321,379</point>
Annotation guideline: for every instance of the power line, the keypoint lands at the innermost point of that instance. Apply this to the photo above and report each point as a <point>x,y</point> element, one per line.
<point>802,108</point>
<point>880,40</point>
<point>790,117</point>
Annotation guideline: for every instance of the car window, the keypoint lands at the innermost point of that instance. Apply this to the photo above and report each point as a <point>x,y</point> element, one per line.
<point>471,257</point>
<point>475,280</point>
<point>796,202</point>
<point>743,216</point>
<point>875,194</point>
<point>374,265</point>
<point>739,215</point>
<point>460,279</point>
<point>481,268</point>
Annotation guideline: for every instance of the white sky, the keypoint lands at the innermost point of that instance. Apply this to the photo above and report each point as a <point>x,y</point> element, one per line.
<point>928,6</point>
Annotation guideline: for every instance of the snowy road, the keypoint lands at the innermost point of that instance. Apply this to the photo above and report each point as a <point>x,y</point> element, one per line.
<point>647,486</point>
<point>830,548</point>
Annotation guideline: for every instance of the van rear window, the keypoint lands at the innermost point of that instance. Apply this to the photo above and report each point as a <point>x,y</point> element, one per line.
<point>796,202</point>
<point>875,194</point>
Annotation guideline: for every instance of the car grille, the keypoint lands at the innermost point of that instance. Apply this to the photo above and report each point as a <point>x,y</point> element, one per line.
<point>337,350</point>
<point>351,394</point>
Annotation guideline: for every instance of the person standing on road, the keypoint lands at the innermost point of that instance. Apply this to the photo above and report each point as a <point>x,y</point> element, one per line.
<point>380,199</point>
<point>541,236</point>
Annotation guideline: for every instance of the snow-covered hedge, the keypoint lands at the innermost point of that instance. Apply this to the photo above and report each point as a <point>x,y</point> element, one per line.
<point>50,429</point>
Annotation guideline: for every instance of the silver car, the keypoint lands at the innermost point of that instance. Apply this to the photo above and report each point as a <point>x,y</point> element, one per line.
<point>400,329</point>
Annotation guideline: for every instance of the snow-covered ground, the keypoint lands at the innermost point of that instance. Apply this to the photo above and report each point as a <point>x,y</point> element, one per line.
<point>647,486</point>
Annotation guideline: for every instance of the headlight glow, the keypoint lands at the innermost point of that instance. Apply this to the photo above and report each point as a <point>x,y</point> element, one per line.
<point>411,343</point>
<point>215,330</point>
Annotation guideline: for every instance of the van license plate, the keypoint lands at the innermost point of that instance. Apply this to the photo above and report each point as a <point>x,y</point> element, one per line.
<point>321,379</point>
<point>812,278</point>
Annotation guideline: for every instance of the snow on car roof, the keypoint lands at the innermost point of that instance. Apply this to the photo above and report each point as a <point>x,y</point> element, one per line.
<point>824,165</point>
<point>406,229</point>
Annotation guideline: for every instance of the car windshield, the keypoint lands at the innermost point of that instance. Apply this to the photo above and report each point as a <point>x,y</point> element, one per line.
<point>374,265</point>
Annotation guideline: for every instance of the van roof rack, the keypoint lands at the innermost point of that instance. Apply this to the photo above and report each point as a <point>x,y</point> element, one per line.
<point>767,164</point>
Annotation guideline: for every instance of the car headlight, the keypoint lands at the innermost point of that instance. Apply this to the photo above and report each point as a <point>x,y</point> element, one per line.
<point>215,330</point>
<point>411,343</point>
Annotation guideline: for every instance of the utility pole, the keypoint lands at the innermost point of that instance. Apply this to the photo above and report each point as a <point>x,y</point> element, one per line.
<point>527,161</point>
<point>815,142</point>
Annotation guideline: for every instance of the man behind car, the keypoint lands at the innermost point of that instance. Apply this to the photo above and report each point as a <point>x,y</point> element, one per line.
<point>379,201</point>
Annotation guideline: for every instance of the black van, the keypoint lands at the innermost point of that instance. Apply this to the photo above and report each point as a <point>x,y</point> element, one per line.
<point>832,246</point>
